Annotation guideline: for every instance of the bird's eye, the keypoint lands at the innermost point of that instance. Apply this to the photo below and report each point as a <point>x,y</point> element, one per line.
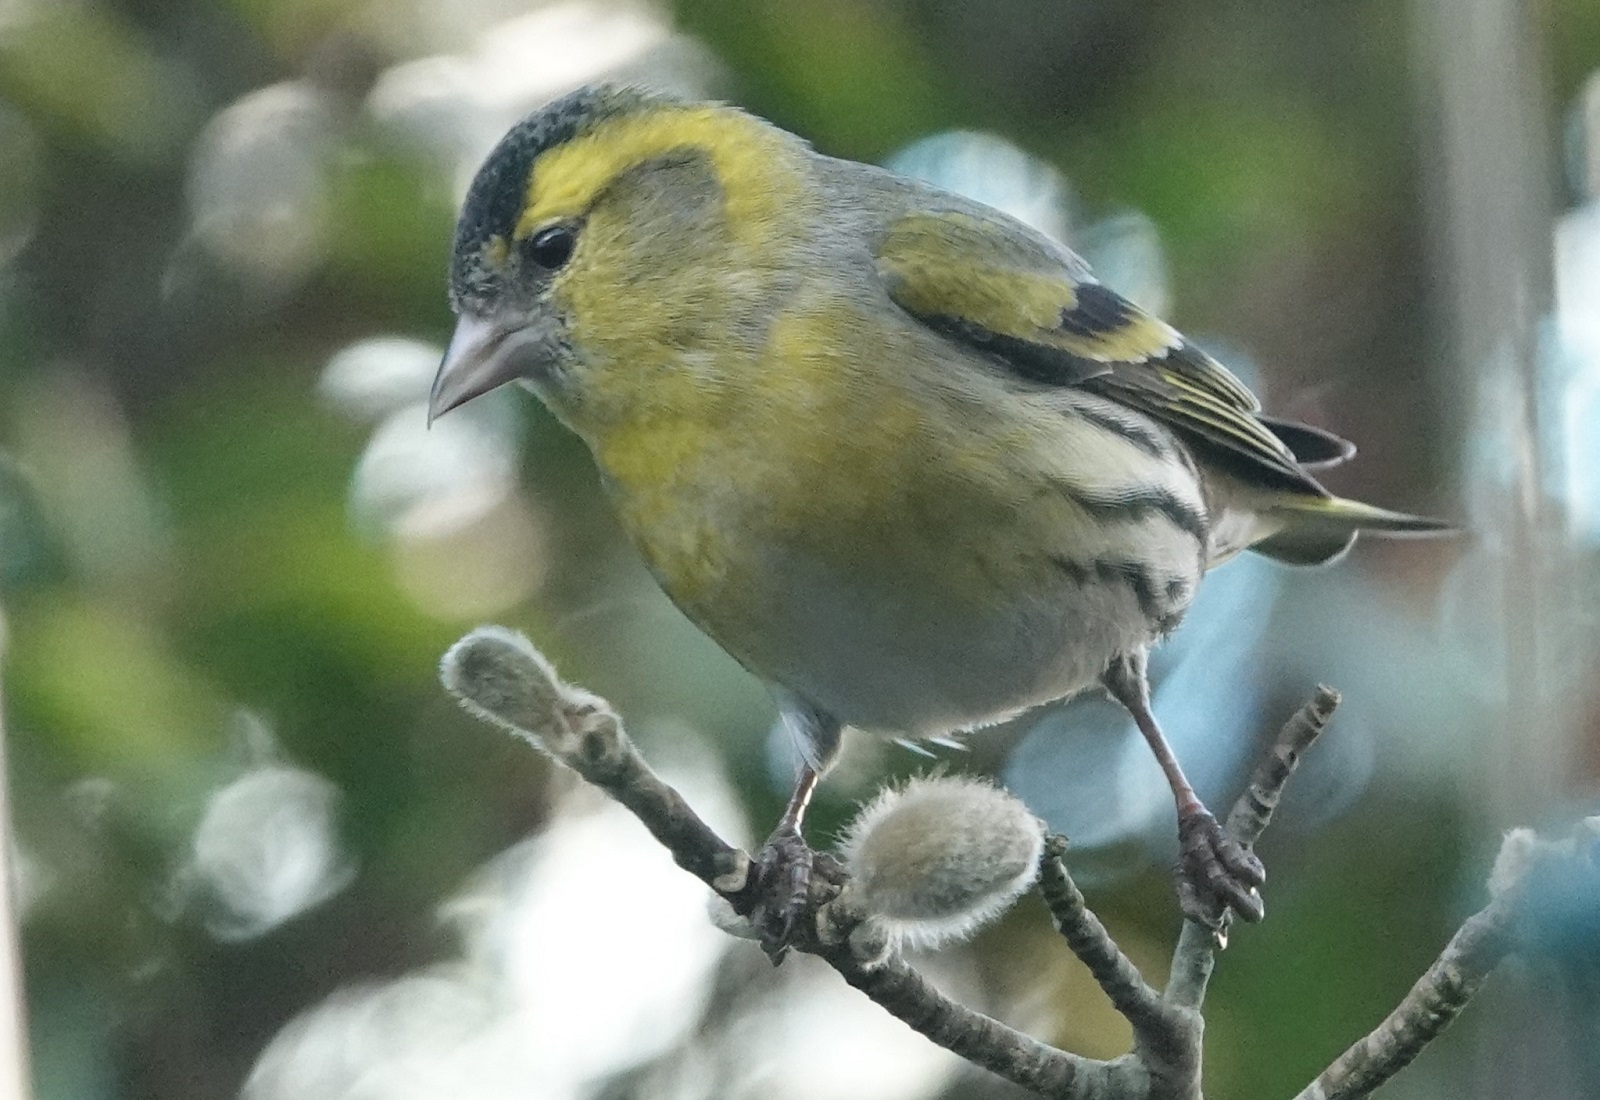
<point>552,246</point>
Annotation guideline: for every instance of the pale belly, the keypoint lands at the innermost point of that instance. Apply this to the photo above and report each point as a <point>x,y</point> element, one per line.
<point>903,661</point>
<point>907,630</point>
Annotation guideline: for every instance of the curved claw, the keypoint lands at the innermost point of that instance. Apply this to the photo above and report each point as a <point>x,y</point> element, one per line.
<point>783,890</point>
<point>1216,874</point>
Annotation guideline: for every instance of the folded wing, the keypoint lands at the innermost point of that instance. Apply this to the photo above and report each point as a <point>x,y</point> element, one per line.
<point>1036,308</point>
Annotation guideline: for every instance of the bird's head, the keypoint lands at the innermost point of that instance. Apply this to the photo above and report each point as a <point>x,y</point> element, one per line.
<point>609,235</point>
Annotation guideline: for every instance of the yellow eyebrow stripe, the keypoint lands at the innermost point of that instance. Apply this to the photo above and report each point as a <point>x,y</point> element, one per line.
<point>750,159</point>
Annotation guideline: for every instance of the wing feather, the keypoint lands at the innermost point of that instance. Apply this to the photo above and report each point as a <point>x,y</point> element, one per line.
<point>995,285</point>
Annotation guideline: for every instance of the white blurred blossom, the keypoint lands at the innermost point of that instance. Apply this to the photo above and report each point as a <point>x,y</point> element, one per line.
<point>465,541</point>
<point>427,479</point>
<point>1124,249</point>
<point>415,477</point>
<point>266,850</point>
<point>818,1039</point>
<point>31,879</point>
<point>1126,254</point>
<point>415,1037</point>
<point>258,181</point>
<point>375,377</point>
<point>587,951</point>
<point>72,436</point>
<point>993,171</point>
<point>1577,332</point>
<point>458,105</point>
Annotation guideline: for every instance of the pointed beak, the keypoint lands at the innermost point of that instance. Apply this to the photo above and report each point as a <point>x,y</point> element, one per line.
<point>478,360</point>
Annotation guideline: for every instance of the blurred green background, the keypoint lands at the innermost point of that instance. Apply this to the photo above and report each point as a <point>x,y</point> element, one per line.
<point>257,849</point>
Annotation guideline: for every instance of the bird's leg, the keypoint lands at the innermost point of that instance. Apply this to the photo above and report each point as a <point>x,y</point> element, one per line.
<point>784,863</point>
<point>1215,873</point>
<point>783,871</point>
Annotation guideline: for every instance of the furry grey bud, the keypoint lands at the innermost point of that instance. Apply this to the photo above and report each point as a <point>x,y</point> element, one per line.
<point>500,677</point>
<point>935,860</point>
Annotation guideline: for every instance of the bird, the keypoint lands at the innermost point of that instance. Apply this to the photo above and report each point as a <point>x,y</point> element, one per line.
<point>900,455</point>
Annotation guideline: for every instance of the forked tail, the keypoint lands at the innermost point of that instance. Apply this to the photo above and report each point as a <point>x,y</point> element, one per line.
<point>1319,529</point>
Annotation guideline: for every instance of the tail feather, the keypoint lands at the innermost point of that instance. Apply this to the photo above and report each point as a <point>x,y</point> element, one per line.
<point>1319,529</point>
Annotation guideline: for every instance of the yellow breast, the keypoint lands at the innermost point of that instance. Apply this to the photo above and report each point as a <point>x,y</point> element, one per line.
<point>829,447</point>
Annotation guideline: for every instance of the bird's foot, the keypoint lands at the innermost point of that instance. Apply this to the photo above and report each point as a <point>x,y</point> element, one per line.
<point>1216,874</point>
<point>782,889</point>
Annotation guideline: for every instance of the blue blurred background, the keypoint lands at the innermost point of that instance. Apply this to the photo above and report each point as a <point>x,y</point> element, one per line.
<point>257,851</point>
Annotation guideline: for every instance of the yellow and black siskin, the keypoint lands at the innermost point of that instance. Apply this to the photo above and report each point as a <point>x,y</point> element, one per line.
<point>901,455</point>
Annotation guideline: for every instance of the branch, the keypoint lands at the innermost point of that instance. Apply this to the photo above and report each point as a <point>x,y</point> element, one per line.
<point>1195,956</point>
<point>980,1039</point>
<point>1478,946</point>
<point>1168,1028</point>
<point>501,678</point>
<point>1165,1036</point>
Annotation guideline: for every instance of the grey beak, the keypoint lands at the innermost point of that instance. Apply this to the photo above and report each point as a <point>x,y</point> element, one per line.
<point>480,358</point>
